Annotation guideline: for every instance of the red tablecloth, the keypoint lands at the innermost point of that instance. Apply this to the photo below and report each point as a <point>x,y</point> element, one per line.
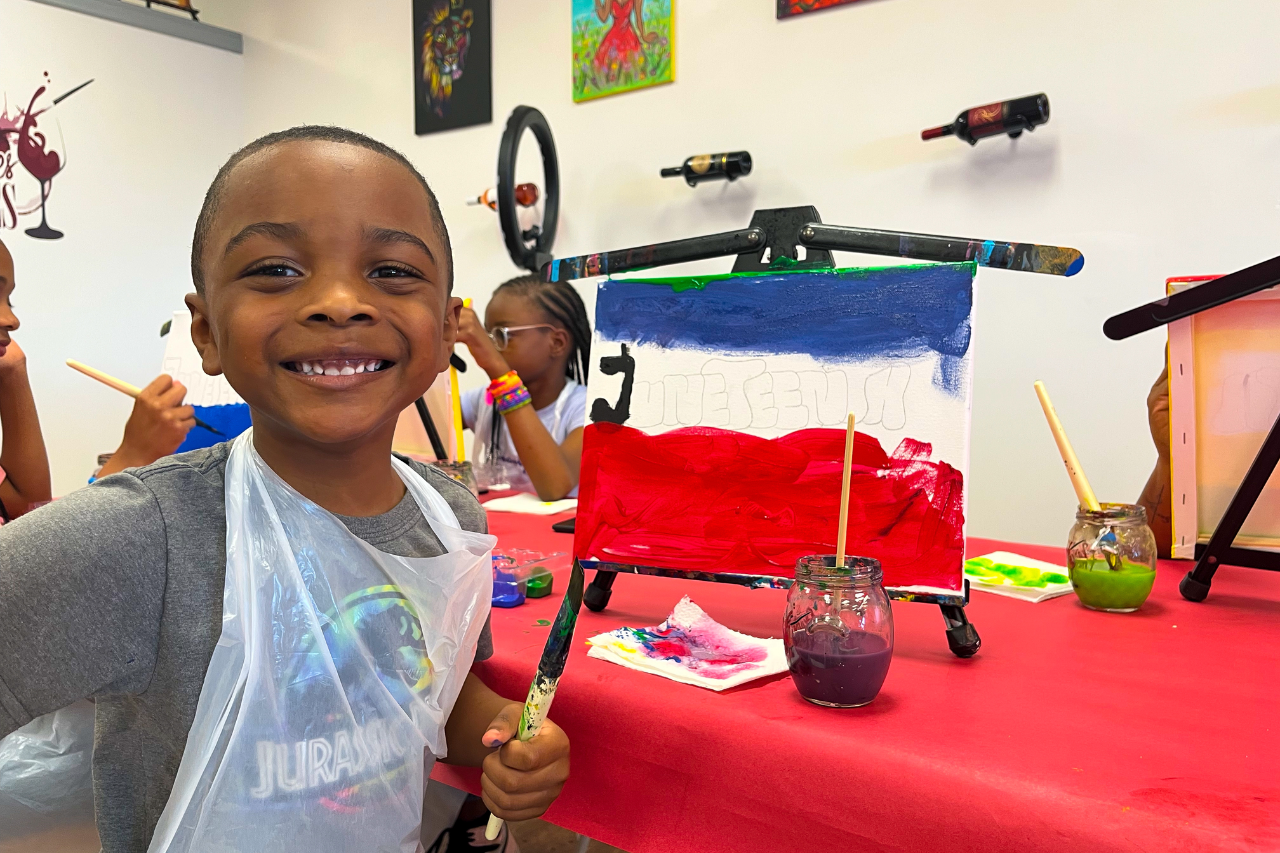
<point>1070,731</point>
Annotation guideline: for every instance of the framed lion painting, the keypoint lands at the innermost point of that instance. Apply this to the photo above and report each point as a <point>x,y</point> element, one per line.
<point>452,63</point>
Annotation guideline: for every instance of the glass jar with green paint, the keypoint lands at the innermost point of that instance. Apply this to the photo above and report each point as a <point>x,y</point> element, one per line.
<point>1111,557</point>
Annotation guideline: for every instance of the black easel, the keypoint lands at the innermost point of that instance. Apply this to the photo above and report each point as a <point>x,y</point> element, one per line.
<point>1221,546</point>
<point>772,242</point>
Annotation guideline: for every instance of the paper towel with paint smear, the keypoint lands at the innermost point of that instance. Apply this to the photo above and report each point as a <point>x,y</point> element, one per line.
<point>692,648</point>
<point>1016,576</point>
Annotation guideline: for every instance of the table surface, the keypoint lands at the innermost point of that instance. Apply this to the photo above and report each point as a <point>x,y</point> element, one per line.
<point>1070,731</point>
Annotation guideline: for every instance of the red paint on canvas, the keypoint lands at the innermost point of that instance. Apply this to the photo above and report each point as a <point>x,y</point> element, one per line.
<point>716,500</point>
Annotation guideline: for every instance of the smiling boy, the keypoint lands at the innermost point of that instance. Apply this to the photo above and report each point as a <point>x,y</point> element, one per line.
<point>323,274</point>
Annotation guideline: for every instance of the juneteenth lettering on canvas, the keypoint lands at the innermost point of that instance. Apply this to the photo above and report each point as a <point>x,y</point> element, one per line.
<point>718,410</point>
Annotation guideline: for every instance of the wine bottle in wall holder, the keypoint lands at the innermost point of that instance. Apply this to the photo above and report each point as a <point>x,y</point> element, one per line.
<point>707,167</point>
<point>1011,117</point>
<point>526,196</point>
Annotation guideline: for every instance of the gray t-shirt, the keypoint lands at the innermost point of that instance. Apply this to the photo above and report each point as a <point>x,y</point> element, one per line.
<point>115,592</point>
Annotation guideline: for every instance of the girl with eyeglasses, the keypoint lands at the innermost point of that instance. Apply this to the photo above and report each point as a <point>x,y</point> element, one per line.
<point>535,344</point>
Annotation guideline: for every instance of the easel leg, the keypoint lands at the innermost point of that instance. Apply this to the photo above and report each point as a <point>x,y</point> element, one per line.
<point>1195,585</point>
<point>601,589</point>
<point>962,637</point>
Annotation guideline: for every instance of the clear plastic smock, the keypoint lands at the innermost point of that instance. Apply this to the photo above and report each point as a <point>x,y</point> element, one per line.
<point>337,667</point>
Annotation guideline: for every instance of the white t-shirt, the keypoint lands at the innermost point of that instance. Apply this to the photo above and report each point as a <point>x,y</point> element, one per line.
<point>567,413</point>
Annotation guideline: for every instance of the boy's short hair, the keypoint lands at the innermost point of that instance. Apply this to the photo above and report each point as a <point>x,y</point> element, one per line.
<point>303,133</point>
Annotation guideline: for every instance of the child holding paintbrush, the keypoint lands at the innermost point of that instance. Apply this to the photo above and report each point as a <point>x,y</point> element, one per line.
<point>158,424</point>
<point>535,344</point>
<point>323,274</point>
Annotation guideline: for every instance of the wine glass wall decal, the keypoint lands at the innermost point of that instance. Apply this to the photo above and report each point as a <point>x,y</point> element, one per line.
<point>34,154</point>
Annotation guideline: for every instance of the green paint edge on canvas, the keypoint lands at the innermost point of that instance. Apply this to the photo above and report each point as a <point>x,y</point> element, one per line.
<point>680,284</point>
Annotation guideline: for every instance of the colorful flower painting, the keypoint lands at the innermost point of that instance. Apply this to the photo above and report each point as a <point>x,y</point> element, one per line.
<point>791,8</point>
<point>621,45</point>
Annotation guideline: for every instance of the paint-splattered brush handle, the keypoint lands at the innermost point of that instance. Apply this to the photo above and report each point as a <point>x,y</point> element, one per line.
<point>655,255</point>
<point>1023,257</point>
<point>536,708</point>
<point>543,689</point>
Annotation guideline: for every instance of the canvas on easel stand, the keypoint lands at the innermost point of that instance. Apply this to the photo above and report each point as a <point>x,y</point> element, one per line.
<point>717,438</point>
<point>1224,397</point>
<point>1241,395</point>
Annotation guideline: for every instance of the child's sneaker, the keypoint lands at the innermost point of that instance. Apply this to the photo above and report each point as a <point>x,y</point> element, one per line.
<point>468,837</point>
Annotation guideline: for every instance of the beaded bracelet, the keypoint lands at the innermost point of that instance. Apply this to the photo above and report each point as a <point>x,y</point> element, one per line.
<point>513,399</point>
<point>508,392</point>
<point>505,383</point>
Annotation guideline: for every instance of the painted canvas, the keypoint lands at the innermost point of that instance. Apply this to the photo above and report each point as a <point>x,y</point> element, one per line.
<point>1224,397</point>
<point>791,8</point>
<point>452,63</point>
<point>621,46</point>
<point>716,435</point>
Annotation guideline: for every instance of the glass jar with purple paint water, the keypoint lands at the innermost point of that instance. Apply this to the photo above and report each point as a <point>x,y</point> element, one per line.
<point>839,630</point>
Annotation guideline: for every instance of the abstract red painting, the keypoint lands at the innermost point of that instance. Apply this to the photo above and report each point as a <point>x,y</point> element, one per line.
<point>791,8</point>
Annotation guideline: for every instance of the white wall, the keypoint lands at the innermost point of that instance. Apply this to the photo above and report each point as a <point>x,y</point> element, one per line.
<point>142,143</point>
<point>1161,159</point>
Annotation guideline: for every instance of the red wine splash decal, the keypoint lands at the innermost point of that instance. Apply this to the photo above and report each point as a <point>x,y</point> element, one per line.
<point>22,143</point>
<point>717,500</point>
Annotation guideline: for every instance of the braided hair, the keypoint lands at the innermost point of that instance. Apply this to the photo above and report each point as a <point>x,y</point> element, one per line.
<point>565,308</point>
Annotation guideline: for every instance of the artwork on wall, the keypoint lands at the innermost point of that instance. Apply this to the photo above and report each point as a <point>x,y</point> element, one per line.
<point>23,143</point>
<point>620,46</point>
<point>791,8</point>
<point>718,408</point>
<point>1224,397</point>
<point>453,64</point>
<point>182,5</point>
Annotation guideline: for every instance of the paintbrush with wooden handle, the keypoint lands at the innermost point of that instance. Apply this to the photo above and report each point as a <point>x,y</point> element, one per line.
<point>550,668</point>
<point>124,387</point>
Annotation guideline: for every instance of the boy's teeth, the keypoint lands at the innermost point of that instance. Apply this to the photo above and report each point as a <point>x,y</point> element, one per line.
<point>343,367</point>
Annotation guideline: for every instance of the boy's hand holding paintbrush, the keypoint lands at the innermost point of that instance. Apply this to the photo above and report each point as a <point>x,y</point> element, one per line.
<point>520,778</point>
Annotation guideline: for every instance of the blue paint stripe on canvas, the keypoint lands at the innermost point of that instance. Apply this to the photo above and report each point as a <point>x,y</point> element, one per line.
<point>231,420</point>
<point>889,312</point>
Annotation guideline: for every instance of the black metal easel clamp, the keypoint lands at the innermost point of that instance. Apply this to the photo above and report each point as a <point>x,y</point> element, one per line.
<point>783,230</point>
